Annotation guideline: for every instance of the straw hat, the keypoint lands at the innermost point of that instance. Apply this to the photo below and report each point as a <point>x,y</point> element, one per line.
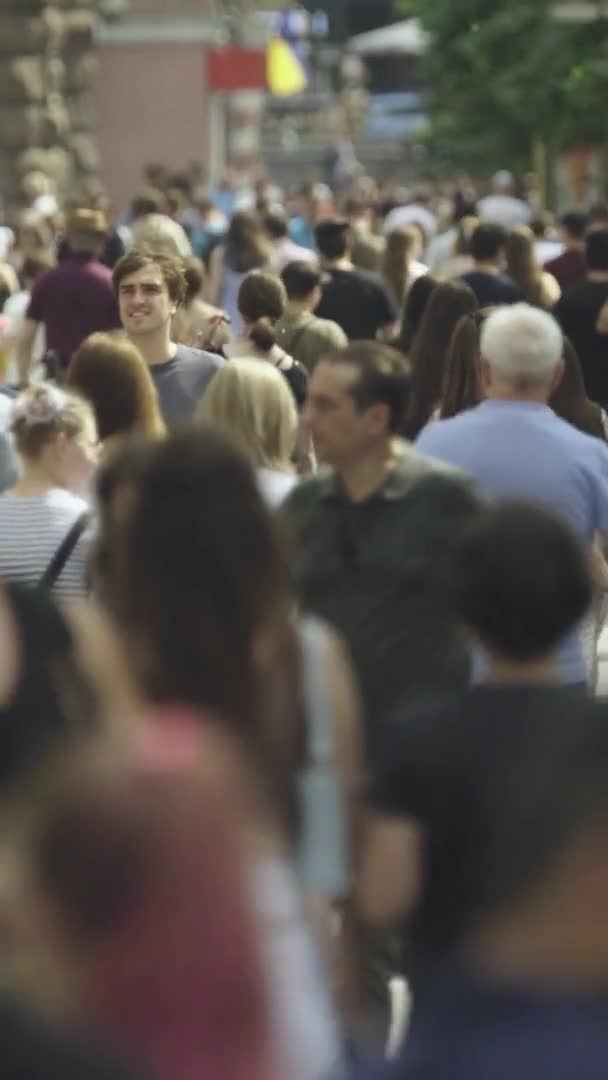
<point>86,221</point>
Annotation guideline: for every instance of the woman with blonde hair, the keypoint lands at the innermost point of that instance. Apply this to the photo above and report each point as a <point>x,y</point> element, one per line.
<point>110,372</point>
<point>251,401</point>
<point>400,265</point>
<point>539,287</point>
<point>43,518</point>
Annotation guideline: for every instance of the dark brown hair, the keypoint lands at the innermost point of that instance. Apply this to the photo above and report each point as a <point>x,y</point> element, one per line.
<point>193,597</point>
<point>245,247</point>
<point>448,303</point>
<point>413,310</point>
<point>461,389</point>
<point>262,301</point>
<point>170,266</point>
<point>570,399</point>
<point>195,274</point>
<point>110,372</point>
<point>150,201</point>
<point>384,378</point>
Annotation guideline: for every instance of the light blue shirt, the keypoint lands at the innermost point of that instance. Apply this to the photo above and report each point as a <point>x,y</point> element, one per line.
<point>522,450</point>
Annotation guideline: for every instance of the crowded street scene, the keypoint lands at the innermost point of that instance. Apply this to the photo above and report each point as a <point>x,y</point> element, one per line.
<point>303,540</point>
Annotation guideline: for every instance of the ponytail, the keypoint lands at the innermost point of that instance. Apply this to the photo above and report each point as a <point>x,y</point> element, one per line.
<point>263,334</point>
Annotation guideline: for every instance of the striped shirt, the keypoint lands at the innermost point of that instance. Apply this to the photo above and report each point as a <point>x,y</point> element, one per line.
<point>32,527</point>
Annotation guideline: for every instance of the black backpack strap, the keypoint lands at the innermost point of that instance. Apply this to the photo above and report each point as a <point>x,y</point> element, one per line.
<point>65,549</point>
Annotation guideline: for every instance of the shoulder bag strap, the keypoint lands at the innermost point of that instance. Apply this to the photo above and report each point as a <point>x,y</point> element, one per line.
<point>65,549</point>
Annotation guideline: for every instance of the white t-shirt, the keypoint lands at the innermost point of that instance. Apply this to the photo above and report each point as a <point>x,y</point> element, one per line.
<point>411,215</point>
<point>504,210</point>
<point>304,1022</point>
<point>275,485</point>
<point>31,530</point>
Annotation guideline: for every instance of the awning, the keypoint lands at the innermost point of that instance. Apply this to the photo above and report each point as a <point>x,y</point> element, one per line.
<point>406,38</point>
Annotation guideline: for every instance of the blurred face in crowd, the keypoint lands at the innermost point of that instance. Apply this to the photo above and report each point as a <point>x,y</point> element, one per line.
<point>144,301</point>
<point>342,431</point>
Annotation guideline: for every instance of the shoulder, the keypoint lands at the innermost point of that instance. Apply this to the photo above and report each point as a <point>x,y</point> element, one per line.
<point>443,484</point>
<point>307,494</point>
<point>327,330</point>
<point>46,279</point>
<point>198,358</point>
<point>62,497</point>
<point>439,432</point>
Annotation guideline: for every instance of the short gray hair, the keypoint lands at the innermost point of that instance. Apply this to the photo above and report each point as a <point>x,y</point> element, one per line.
<point>522,344</point>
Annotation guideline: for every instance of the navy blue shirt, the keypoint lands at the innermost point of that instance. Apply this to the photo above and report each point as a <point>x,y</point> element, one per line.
<point>474,1030</point>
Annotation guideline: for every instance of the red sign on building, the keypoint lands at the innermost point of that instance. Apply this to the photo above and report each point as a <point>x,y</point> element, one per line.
<point>237,69</point>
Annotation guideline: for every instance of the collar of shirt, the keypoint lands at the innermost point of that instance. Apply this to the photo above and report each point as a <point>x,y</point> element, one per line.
<point>395,484</point>
<point>502,404</point>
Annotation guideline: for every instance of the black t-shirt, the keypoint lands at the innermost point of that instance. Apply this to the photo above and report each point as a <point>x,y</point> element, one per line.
<point>31,1048</point>
<point>578,312</point>
<point>358,301</point>
<point>454,766</point>
<point>492,290</point>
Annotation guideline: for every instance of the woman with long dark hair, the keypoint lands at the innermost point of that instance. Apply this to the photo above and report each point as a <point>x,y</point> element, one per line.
<point>244,249</point>
<point>569,400</point>
<point>428,356</point>
<point>197,578</point>
<point>461,384</point>
<point>413,311</point>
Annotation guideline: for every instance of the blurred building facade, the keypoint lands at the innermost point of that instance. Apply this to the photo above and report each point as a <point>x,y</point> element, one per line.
<point>46,71</point>
<point>155,96</point>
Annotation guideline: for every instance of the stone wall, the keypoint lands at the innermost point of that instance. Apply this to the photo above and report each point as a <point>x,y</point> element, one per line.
<point>46,67</point>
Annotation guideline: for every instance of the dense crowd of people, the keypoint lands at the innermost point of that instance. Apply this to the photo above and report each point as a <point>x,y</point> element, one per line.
<point>303,537</point>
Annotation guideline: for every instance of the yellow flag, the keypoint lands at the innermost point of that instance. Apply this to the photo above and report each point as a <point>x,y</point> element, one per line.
<point>285,73</point>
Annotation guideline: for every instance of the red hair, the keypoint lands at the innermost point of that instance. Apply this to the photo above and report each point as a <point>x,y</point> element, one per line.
<point>163,911</point>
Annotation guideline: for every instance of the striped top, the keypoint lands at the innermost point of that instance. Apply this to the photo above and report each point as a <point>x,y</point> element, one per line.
<point>32,527</point>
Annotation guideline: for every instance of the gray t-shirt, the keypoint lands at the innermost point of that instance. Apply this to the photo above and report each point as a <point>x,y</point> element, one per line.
<point>182,381</point>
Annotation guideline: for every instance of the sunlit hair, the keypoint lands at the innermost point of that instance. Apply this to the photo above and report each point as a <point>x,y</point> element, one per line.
<point>110,372</point>
<point>522,345</point>
<point>253,404</point>
<point>522,265</point>
<point>44,411</point>
<point>401,247</point>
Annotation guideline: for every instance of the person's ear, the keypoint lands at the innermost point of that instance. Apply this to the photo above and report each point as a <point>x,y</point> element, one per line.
<point>485,375</point>
<point>379,418</point>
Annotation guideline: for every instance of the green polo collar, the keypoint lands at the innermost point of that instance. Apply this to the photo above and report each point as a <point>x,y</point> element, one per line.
<point>396,482</point>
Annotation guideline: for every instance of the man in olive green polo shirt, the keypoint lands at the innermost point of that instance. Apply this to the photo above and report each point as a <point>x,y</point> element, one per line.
<point>374,531</point>
<point>299,331</point>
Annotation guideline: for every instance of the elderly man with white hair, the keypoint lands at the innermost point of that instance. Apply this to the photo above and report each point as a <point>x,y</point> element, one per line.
<point>515,446</point>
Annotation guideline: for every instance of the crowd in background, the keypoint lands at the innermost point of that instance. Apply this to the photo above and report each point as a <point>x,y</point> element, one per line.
<point>303,535</point>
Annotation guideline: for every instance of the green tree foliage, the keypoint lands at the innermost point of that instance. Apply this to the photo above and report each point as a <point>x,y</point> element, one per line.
<point>503,72</point>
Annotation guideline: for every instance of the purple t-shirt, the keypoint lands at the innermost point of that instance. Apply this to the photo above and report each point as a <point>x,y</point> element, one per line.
<point>73,300</point>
